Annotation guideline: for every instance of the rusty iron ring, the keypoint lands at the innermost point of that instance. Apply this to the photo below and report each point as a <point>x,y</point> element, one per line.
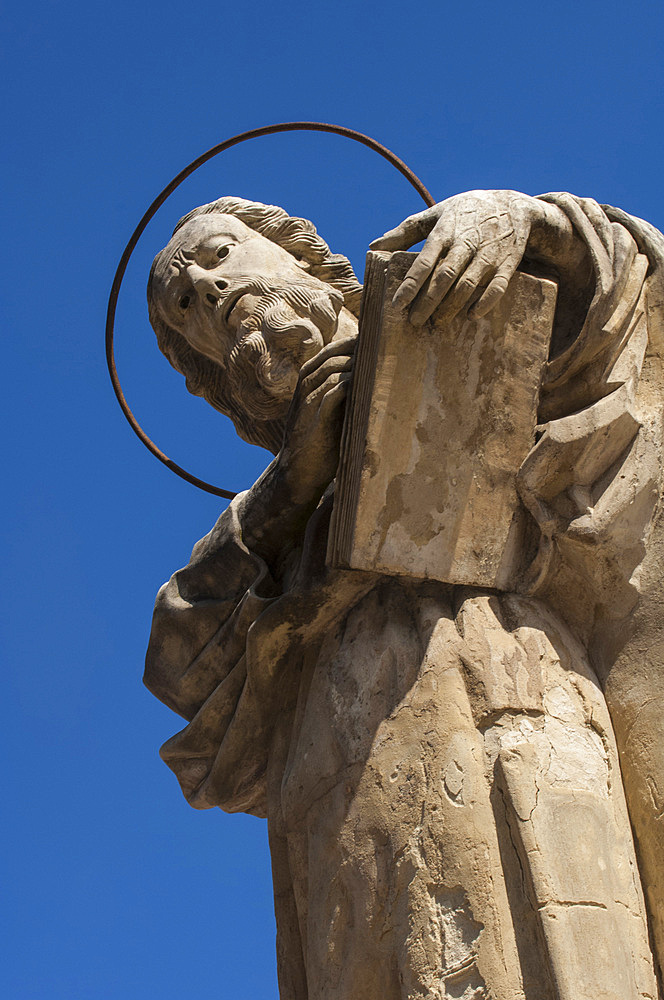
<point>255,133</point>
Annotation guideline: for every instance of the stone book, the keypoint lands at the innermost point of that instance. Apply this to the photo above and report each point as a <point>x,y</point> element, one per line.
<point>438,422</point>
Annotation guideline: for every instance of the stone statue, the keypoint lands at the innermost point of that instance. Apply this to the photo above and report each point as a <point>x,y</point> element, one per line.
<point>464,787</point>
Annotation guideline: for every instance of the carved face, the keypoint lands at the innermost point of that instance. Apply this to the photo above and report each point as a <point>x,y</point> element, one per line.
<point>246,304</point>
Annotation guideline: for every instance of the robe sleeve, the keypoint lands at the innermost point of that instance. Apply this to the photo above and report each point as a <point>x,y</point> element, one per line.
<point>593,474</point>
<point>226,649</point>
<point>196,654</point>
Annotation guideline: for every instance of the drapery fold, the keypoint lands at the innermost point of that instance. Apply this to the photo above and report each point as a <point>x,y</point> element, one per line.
<point>228,659</point>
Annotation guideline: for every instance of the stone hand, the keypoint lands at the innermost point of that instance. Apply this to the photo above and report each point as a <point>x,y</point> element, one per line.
<point>310,454</point>
<point>474,244</point>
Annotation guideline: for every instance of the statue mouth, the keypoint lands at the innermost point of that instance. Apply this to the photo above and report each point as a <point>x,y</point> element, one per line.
<point>228,304</point>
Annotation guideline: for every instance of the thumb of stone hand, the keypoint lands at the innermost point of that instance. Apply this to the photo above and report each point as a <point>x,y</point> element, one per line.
<point>410,231</point>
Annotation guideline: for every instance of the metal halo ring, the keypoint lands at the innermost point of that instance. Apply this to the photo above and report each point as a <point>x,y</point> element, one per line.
<point>255,133</point>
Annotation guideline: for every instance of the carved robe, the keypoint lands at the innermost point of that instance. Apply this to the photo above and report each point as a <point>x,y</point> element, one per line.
<point>438,765</point>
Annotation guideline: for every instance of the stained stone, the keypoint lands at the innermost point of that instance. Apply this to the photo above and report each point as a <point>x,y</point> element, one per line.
<point>463,777</point>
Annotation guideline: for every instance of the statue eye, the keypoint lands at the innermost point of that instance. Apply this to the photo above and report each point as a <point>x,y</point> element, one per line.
<point>223,252</point>
<point>184,302</point>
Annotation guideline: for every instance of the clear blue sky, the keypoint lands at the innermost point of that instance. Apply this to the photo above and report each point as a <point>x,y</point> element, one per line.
<point>115,888</point>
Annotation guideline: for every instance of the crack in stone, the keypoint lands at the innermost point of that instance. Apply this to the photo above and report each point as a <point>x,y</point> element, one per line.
<point>572,902</point>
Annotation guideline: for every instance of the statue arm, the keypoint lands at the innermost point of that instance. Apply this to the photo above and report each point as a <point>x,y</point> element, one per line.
<point>203,613</point>
<point>275,512</point>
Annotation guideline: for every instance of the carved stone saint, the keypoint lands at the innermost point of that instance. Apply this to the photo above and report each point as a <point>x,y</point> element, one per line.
<point>464,784</point>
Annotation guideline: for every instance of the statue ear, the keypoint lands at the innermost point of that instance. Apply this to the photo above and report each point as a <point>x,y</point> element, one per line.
<point>304,264</point>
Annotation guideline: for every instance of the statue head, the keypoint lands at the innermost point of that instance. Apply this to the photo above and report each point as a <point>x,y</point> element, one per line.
<point>240,298</point>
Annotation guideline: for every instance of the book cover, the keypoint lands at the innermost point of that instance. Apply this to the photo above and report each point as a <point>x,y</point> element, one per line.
<point>438,422</point>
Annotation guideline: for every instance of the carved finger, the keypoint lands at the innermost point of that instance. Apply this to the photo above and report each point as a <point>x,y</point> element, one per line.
<point>496,288</point>
<point>440,282</point>
<point>411,230</point>
<point>343,346</point>
<point>332,366</point>
<point>334,396</point>
<point>439,241</point>
<point>477,274</point>
<point>316,397</point>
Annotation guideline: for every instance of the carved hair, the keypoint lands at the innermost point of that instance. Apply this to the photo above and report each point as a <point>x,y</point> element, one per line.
<point>205,377</point>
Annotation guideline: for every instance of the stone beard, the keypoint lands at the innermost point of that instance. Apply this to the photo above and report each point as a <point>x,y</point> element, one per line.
<point>296,316</point>
<point>462,784</point>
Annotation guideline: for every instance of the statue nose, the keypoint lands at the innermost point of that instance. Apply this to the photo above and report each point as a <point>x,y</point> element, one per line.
<point>207,287</point>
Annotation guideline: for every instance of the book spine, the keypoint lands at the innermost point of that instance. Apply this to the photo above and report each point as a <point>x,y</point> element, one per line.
<point>347,490</point>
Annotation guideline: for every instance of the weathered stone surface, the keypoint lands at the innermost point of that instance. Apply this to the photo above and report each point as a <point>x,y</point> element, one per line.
<point>463,785</point>
<point>444,436</point>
